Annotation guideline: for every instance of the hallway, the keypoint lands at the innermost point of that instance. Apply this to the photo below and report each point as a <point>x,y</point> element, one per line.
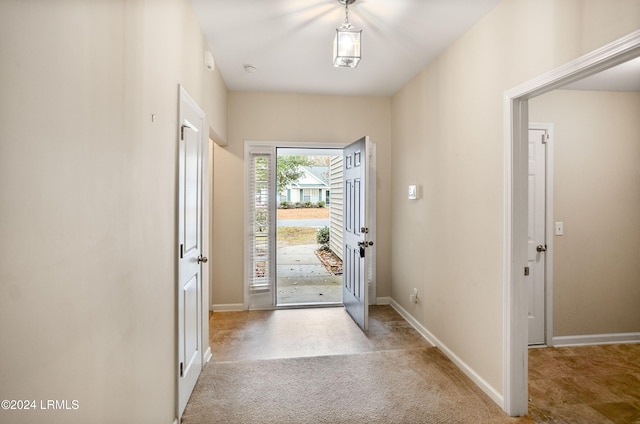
<point>587,384</point>
<point>289,333</point>
<point>316,366</point>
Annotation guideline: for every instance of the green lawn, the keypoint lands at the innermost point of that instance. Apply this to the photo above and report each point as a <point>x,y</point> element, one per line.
<point>297,235</point>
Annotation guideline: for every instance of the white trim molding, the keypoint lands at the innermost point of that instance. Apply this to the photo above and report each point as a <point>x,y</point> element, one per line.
<point>383,301</point>
<point>487,388</point>
<point>516,123</point>
<point>592,339</point>
<point>207,355</point>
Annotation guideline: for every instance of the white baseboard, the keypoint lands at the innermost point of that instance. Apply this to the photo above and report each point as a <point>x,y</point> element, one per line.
<point>592,339</point>
<point>207,355</point>
<point>383,300</point>
<point>487,388</point>
<point>227,307</point>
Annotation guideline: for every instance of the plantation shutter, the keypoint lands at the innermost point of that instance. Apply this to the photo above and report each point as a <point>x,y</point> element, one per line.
<point>261,225</point>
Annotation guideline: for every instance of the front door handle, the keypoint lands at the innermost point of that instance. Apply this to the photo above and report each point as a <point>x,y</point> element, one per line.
<point>362,245</point>
<point>202,259</point>
<point>541,248</point>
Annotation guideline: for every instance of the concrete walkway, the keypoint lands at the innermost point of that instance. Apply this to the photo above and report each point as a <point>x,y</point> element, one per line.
<point>316,223</point>
<point>303,279</point>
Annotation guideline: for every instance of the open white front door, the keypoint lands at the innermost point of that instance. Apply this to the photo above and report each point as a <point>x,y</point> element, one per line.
<point>190,321</point>
<point>355,293</point>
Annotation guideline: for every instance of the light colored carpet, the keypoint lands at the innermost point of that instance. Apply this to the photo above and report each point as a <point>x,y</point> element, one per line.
<point>395,386</point>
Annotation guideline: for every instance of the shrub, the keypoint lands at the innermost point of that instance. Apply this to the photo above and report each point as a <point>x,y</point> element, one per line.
<point>298,205</point>
<point>323,236</point>
<point>321,204</point>
<point>307,204</point>
<point>285,205</point>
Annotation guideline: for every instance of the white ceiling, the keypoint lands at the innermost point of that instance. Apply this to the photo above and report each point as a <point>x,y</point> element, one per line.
<point>290,44</point>
<point>290,41</point>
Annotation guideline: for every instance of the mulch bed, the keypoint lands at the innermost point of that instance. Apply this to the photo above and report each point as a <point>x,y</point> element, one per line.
<point>331,262</point>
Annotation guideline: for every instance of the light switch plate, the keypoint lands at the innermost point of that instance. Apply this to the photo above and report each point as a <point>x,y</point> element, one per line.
<point>559,228</point>
<point>413,192</point>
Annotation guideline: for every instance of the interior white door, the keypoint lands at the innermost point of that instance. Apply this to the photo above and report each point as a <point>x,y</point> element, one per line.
<point>190,343</point>
<point>536,244</point>
<point>355,292</point>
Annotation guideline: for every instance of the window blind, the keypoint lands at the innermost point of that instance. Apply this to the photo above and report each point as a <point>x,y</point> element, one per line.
<point>261,222</point>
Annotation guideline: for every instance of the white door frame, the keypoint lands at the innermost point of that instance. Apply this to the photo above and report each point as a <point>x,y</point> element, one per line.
<point>248,144</point>
<point>516,126</point>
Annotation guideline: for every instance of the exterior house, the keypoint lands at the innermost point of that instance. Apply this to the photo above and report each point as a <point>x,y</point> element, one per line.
<point>336,213</point>
<point>88,192</point>
<point>313,186</point>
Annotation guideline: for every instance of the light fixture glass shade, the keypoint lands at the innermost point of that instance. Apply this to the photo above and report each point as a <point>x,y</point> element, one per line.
<point>346,48</point>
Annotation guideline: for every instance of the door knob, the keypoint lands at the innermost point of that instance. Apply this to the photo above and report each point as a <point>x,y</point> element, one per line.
<point>202,259</point>
<point>541,248</point>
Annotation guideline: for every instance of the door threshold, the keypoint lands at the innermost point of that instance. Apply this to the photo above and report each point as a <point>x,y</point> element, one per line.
<point>537,346</point>
<point>310,305</point>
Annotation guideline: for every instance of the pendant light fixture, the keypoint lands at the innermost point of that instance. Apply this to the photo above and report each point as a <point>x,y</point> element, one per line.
<point>346,45</point>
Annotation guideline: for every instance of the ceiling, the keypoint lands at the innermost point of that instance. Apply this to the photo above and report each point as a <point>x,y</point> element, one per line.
<point>289,42</point>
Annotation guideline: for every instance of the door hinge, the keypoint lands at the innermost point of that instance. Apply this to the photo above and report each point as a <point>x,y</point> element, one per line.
<point>526,271</point>
<point>545,138</point>
<point>181,250</point>
<point>189,125</point>
<point>181,369</point>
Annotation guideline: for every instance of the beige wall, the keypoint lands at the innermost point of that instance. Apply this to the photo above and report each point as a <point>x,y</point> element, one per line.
<point>596,266</point>
<point>447,137</point>
<point>88,186</point>
<point>299,118</point>
<point>88,201</point>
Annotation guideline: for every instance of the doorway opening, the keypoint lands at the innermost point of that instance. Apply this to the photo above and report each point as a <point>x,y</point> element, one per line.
<point>352,226</point>
<point>309,227</point>
<point>516,205</point>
